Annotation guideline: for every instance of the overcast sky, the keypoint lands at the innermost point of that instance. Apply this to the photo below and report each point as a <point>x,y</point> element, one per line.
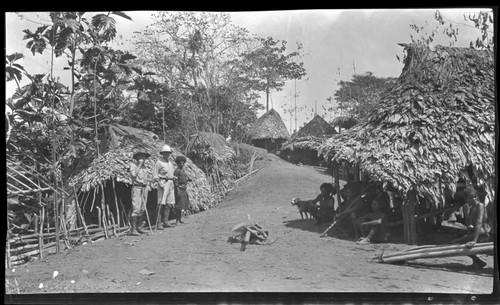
<point>339,43</point>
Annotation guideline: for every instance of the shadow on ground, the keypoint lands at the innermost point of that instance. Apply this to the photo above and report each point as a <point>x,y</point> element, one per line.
<point>305,224</point>
<point>452,267</point>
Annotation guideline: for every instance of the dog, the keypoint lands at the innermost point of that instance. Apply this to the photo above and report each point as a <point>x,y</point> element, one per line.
<point>306,208</point>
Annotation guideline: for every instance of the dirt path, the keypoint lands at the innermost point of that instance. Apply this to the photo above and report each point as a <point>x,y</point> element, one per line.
<point>195,257</point>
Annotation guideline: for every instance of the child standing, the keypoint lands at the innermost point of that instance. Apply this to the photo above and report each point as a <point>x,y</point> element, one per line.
<point>181,194</point>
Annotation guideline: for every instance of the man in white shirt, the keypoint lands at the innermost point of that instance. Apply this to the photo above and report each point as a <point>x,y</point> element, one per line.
<point>163,174</point>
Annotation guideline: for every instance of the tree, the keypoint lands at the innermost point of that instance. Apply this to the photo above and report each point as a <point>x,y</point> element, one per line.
<point>195,54</point>
<point>359,97</point>
<point>268,66</point>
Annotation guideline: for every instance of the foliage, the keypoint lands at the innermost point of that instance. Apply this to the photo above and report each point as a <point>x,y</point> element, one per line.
<point>267,66</point>
<point>359,97</point>
<point>45,133</point>
<point>483,21</point>
<point>193,53</point>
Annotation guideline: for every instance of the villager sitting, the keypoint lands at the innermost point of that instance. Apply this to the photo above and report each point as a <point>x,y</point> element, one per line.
<point>349,211</point>
<point>325,211</point>
<point>479,229</point>
<point>138,174</point>
<point>373,226</point>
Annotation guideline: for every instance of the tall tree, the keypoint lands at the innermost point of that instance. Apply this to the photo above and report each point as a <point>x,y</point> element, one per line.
<point>194,54</point>
<point>269,67</point>
<point>359,97</point>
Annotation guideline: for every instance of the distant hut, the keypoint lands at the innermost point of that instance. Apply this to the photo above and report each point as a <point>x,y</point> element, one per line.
<point>435,126</point>
<point>303,145</point>
<point>106,182</point>
<point>344,122</point>
<point>269,131</point>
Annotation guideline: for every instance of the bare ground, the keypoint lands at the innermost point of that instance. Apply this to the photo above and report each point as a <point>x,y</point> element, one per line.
<point>196,257</point>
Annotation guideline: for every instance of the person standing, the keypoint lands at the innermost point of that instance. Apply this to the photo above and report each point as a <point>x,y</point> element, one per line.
<point>163,174</point>
<point>181,194</point>
<point>138,173</point>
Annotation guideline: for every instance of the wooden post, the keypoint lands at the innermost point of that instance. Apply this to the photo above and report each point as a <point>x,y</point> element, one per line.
<point>79,213</point>
<point>116,204</point>
<point>337,181</point>
<point>40,236</point>
<point>103,210</point>
<point>409,220</point>
<point>98,216</point>
<point>56,220</point>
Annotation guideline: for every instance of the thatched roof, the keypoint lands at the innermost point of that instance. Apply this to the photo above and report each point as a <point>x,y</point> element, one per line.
<point>120,142</point>
<point>435,122</point>
<point>212,144</point>
<point>270,126</point>
<point>344,121</point>
<point>311,135</point>
<point>210,152</point>
<point>317,127</point>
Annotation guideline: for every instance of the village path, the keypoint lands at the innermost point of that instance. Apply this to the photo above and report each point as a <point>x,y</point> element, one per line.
<point>196,257</point>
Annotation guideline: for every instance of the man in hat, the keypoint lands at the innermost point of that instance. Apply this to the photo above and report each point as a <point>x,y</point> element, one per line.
<point>138,173</point>
<point>163,174</point>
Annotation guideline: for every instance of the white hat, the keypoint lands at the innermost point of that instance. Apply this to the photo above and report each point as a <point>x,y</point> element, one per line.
<point>166,148</point>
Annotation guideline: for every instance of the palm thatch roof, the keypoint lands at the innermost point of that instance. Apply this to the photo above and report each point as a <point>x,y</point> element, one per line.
<point>119,143</point>
<point>210,152</point>
<point>345,122</point>
<point>270,126</point>
<point>311,135</point>
<point>213,145</point>
<point>437,121</point>
<point>317,127</point>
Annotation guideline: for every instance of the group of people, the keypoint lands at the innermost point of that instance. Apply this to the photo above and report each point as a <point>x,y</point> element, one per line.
<point>366,216</point>
<point>352,216</point>
<point>172,189</point>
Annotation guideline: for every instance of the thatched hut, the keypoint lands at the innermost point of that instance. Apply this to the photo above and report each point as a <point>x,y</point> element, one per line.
<point>344,122</point>
<point>436,125</point>
<point>211,153</point>
<point>303,145</point>
<point>106,182</point>
<point>269,131</point>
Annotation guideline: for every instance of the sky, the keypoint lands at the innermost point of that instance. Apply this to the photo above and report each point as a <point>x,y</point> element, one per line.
<point>337,44</point>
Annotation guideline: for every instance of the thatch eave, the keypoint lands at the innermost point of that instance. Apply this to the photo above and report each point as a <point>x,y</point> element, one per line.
<point>437,120</point>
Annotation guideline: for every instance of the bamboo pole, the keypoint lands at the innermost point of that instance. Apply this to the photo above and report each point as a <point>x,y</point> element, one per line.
<point>432,248</point>
<point>125,218</point>
<point>48,220</point>
<point>462,251</point>
<point>84,201</point>
<point>93,200</point>
<point>79,212</point>
<point>99,216</point>
<point>56,220</point>
<point>116,203</point>
<point>104,219</point>
<point>112,220</point>
<point>40,236</point>
<point>24,192</point>
<point>8,243</point>
<point>146,195</point>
